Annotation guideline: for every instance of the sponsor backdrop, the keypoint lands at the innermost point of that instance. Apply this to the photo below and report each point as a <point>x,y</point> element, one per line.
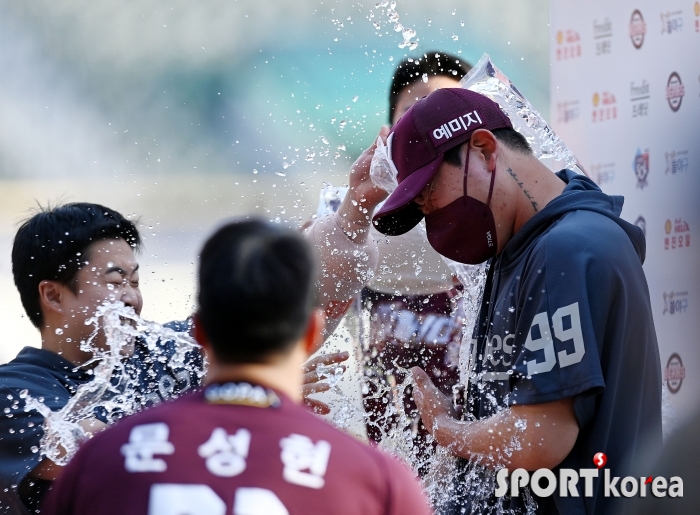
<point>626,99</point>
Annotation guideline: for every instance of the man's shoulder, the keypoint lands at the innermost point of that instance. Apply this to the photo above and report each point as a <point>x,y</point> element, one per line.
<point>578,231</point>
<point>35,377</point>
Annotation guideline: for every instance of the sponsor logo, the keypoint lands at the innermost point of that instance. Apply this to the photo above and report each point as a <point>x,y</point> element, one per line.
<point>674,92</point>
<point>639,96</point>
<point>638,29</point>
<point>671,22</point>
<point>602,34</point>
<point>677,161</point>
<point>677,234</point>
<point>568,45</point>
<point>642,224</point>
<point>604,107</point>
<point>603,173</point>
<point>489,238</point>
<point>566,483</point>
<point>675,302</point>
<point>568,111</point>
<point>641,167</point>
<point>674,373</point>
<point>456,127</point>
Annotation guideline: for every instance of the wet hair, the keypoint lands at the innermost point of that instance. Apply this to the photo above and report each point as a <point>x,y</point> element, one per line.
<point>509,137</point>
<point>432,64</point>
<point>256,290</point>
<point>53,245</point>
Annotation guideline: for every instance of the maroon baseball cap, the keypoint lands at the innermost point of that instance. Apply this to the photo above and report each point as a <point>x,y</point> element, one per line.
<point>417,142</point>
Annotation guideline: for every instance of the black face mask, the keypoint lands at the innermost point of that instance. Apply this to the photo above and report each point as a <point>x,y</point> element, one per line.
<point>464,230</point>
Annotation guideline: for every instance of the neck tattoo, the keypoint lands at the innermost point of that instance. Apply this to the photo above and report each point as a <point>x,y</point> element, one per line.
<point>527,193</point>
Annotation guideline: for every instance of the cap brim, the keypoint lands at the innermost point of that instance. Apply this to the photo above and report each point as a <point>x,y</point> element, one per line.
<point>400,214</point>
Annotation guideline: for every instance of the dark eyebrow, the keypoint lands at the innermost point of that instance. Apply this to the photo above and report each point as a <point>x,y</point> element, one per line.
<point>120,270</point>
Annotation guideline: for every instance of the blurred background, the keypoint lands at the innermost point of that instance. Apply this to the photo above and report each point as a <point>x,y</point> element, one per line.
<point>184,113</point>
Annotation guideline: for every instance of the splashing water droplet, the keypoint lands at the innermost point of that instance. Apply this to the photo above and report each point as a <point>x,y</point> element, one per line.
<point>455,37</point>
<point>62,430</point>
<point>59,331</point>
<point>424,77</point>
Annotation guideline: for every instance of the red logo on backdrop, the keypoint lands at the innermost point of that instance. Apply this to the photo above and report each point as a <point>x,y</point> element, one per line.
<point>638,29</point>
<point>604,107</point>
<point>568,45</point>
<point>674,92</point>
<point>677,234</point>
<point>674,373</point>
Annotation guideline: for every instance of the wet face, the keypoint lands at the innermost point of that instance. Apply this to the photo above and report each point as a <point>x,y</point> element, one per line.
<point>414,92</point>
<point>111,274</point>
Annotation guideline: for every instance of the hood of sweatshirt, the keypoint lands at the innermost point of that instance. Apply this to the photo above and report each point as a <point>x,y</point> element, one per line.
<point>580,193</point>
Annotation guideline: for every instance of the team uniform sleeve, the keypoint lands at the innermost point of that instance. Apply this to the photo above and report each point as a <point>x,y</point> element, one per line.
<point>405,494</point>
<point>345,265</point>
<point>563,304</point>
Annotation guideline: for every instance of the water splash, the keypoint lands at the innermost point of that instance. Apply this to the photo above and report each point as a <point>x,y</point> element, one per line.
<point>392,16</point>
<point>117,388</point>
<point>485,78</point>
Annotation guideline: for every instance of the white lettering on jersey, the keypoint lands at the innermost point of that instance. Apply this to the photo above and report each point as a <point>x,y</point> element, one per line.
<point>179,499</point>
<point>225,454</point>
<point>174,499</point>
<point>145,441</point>
<point>572,333</point>
<point>257,501</point>
<point>304,462</point>
<point>543,343</point>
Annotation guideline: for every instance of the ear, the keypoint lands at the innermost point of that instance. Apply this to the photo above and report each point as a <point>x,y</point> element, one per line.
<point>52,297</point>
<point>199,335</point>
<point>485,142</point>
<point>313,337</point>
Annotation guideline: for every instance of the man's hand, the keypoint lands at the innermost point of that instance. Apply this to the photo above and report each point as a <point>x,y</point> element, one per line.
<point>363,196</point>
<point>434,406</point>
<point>529,436</point>
<point>311,383</point>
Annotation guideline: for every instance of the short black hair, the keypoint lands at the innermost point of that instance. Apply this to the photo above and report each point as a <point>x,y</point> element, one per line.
<point>52,244</point>
<point>509,137</point>
<point>256,290</point>
<point>432,64</point>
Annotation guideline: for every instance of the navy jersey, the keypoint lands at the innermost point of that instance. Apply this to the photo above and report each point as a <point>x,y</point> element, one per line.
<point>234,448</point>
<point>566,313</point>
<point>45,375</point>
<point>48,377</point>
